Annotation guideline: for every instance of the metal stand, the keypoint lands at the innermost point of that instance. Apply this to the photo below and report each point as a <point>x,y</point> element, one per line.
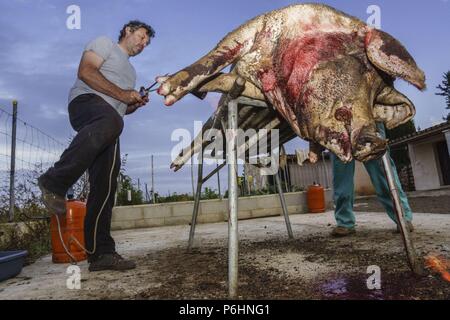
<point>197,197</point>
<point>198,194</point>
<point>283,205</point>
<point>233,235</point>
<point>232,101</point>
<point>413,261</point>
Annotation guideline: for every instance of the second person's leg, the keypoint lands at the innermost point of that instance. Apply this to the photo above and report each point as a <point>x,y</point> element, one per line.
<point>377,175</point>
<point>343,188</point>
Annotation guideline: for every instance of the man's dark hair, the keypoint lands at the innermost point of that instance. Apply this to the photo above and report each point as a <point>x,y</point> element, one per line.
<point>135,25</point>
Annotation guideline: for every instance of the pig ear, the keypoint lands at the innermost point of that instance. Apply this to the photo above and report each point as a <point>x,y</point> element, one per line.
<point>389,55</point>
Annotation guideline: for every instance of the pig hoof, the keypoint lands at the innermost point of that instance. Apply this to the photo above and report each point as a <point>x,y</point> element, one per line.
<point>170,100</point>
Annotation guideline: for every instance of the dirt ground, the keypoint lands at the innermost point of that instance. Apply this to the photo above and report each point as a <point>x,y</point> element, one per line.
<point>440,204</point>
<point>312,266</point>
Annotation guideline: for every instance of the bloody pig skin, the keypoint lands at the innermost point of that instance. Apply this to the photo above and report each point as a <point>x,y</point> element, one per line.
<point>328,74</point>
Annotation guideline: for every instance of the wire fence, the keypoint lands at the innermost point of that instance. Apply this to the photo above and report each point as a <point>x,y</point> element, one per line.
<point>33,153</point>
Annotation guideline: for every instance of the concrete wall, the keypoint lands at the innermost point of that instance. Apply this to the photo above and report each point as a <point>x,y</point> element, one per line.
<point>424,166</point>
<point>180,213</point>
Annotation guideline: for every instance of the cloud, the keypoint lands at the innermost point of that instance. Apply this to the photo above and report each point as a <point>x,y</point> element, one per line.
<point>52,112</point>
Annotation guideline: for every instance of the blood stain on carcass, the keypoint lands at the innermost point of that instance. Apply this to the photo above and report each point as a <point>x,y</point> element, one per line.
<point>296,58</point>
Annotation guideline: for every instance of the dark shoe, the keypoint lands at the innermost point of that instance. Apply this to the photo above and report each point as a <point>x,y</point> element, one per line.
<point>409,227</point>
<point>53,202</point>
<point>111,261</point>
<point>342,232</point>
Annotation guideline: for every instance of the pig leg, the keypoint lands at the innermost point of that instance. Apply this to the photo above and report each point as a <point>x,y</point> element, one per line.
<point>229,50</point>
<point>393,108</point>
<point>224,82</point>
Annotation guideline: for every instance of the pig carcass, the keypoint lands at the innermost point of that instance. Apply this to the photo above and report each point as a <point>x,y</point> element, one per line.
<point>328,74</point>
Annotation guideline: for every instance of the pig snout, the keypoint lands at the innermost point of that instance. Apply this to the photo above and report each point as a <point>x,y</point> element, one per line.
<point>368,145</point>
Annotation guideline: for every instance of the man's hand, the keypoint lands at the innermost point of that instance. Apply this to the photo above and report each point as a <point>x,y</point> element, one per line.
<point>133,107</point>
<point>132,97</point>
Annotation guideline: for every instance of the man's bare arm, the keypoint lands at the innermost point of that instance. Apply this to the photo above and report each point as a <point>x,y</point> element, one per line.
<point>89,72</point>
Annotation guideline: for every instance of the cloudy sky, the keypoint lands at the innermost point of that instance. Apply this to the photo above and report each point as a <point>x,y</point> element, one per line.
<point>39,57</point>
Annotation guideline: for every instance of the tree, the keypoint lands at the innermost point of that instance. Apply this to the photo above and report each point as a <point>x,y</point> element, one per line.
<point>125,183</point>
<point>444,89</point>
<point>401,131</point>
<point>122,193</point>
<point>210,194</point>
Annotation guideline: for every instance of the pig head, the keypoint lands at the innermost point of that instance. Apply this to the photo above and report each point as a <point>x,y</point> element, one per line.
<point>329,75</point>
<point>341,103</point>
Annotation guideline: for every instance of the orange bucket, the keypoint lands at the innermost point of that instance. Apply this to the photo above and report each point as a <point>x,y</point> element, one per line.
<point>316,198</point>
<point>72,226</point>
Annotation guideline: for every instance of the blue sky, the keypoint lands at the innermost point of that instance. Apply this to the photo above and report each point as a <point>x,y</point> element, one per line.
<point>39,58</point>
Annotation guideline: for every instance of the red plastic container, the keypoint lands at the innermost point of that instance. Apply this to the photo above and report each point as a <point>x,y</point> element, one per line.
<point>72,226</point>
<point>316,198</point>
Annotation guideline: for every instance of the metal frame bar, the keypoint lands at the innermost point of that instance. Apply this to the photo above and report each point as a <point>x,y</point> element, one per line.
<point>196,201</point>
<point>216,170</point>
<point>413,261</point>
<point>283,205</point>
<point>197,197</point>
<point>233,235</point>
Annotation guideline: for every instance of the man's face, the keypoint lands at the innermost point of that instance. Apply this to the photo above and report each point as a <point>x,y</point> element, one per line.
<point>136,41</point>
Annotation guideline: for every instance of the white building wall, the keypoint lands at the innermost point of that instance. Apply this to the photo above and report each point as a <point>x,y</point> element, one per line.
<point>424,166</point>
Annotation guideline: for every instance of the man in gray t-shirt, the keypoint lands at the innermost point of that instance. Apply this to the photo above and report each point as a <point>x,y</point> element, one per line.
<point>116,68</point>
<point>102,94</point>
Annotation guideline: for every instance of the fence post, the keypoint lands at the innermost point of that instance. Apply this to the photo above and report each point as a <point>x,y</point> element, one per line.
<point>153,185</point>
<point>13,163</point>
<point>218,182</point>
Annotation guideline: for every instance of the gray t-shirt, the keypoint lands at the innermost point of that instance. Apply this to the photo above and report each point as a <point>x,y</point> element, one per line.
<point>116,68</point>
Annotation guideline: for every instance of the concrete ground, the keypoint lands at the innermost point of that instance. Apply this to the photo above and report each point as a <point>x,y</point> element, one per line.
<point>312,266</point>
